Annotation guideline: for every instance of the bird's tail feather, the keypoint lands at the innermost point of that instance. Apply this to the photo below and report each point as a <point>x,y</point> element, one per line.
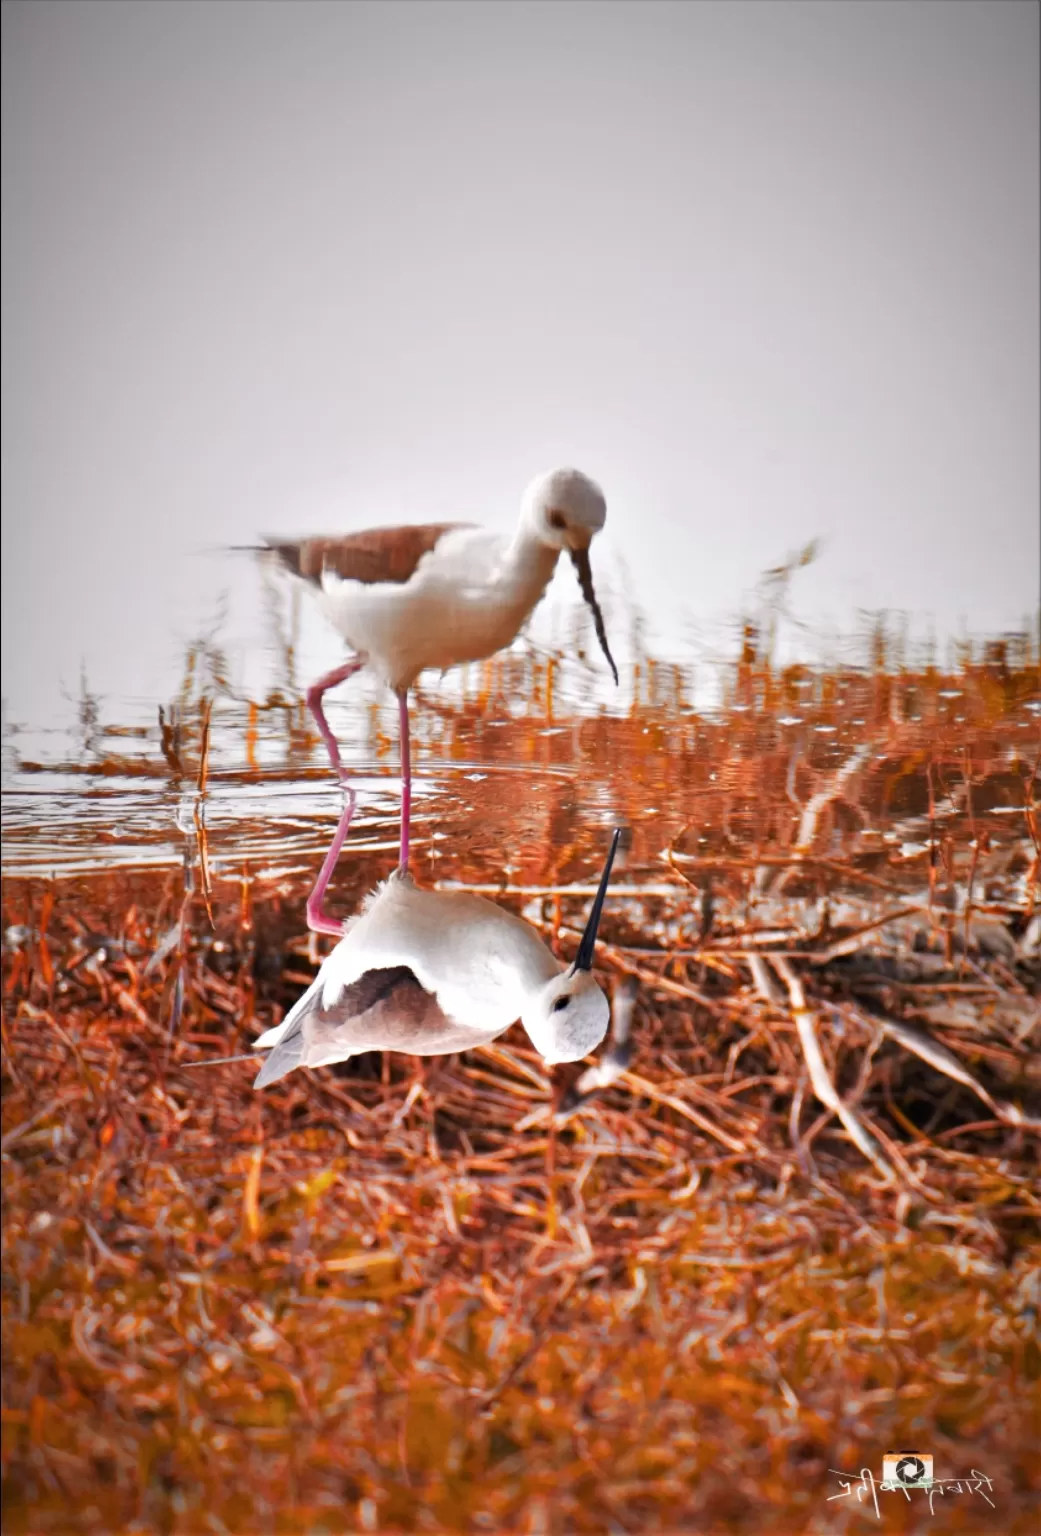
<point>285,551</point>
<point>286,1056</point>
<point>285,1041</point>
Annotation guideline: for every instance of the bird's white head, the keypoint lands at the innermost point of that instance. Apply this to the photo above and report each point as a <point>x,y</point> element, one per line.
<point>568,1016</point>
<point>564,509</point>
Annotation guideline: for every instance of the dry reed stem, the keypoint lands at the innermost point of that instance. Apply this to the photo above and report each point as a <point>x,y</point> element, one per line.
<point>820,1078</point>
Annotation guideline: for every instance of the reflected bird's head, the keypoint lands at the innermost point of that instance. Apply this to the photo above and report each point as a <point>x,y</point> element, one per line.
<point>568,1016</point>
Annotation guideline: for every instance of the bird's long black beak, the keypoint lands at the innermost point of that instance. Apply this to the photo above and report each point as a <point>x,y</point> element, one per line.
<point>580,560</point>
<point>584,958</point>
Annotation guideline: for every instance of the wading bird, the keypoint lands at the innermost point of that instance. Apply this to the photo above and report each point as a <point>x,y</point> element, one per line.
<point>439,594</point>
<point>432,972</point>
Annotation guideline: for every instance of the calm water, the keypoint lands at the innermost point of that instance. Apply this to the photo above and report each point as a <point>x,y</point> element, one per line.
<point>105,796</point>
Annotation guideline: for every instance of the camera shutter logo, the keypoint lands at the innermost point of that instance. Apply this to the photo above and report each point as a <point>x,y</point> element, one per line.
<point>909,1470</point>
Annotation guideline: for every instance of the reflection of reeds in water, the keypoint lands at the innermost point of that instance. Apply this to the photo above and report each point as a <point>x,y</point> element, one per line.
<point>799,1232</point>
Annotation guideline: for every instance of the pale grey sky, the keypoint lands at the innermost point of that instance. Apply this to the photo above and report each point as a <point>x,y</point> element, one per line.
<point>766,270</point>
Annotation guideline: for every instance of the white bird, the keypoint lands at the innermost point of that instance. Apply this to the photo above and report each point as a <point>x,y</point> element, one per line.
<point>439,594</point>
<point>431,972</point>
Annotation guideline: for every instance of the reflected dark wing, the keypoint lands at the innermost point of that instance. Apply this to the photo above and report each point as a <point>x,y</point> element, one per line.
<point>386,1009</point>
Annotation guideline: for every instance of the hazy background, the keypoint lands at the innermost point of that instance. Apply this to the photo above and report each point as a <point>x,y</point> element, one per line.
<point>768,271</point>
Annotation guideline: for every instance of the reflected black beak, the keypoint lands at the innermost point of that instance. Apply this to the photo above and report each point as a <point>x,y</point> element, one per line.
<point>584,958</point>
<point>580,560</point>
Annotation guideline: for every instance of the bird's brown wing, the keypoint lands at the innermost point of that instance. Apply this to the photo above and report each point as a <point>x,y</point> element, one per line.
<point>377,555</point>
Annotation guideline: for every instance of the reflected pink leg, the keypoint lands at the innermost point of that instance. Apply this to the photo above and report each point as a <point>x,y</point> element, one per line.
<point>406,779</point>
<point>314,700</point>
<point>318,920</point>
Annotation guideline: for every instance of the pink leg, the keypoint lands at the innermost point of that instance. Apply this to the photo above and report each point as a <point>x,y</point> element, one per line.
<point>314,700</point>
<point>318,920</point>
<point>406,778</point>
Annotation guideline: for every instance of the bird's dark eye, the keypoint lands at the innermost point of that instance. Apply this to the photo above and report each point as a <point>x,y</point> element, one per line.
<point>557,520</point>
<point>561,1002</point>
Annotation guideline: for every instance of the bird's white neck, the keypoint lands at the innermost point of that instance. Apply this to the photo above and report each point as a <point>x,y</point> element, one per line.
<point>517,961</point>
<point>535,967</point>
<point>528,564</point>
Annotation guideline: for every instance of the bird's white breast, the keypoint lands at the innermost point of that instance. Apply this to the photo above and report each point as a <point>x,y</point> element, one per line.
<point>467,598</point>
